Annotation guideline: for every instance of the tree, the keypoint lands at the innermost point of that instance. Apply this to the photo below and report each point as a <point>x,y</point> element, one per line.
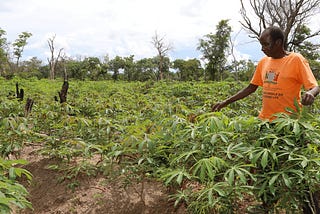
<point>75,70</point>
<point>53,61</point>
<point>105,67</point>
<point>31,68</point>
<point>145,69</point>
<point>188,70</point>
<point>19,44</point>
<point>163,72</point>
<point>308,49</point>
<point>92,67</point>
<point>214,48</point>
<point>289,15</point>
<point>129,67</point>
<point>3,52</point>
<point>162,49</point>
<point>244,71</point>
<point>115,65</point>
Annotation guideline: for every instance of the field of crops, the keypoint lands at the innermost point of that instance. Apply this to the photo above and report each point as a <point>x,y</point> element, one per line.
<point>164,131</point>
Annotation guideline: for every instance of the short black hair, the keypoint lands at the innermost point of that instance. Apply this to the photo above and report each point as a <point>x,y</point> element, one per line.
<point>275,33</point>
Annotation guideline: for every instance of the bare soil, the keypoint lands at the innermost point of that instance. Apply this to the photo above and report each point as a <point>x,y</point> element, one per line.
<point>92,194</point>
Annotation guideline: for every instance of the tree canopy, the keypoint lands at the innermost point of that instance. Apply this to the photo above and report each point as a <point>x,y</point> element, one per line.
<point>215,47</point>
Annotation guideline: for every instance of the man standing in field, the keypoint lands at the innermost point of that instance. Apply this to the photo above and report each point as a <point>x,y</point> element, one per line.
<point>281,75</point>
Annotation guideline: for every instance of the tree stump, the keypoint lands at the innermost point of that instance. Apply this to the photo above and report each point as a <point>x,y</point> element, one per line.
<point>19,94</point>
<point>63,92</point>
<point>28,107</point>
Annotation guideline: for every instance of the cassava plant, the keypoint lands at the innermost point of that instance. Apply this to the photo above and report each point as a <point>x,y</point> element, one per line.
<point>212,162</point>
<point>12,193</point>
<point>223,160</point>
<point>286,158</point>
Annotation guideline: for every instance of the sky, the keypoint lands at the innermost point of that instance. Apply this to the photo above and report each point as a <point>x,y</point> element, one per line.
<point>96,28</point>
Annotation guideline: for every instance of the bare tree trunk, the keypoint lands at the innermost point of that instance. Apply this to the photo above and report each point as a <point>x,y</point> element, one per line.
<point>160,66</point>
<point>53,60</point>
<point>162,50</point>
<point>235,61</point>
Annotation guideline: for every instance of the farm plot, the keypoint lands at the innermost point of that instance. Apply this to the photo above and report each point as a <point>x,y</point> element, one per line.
<point>152,146</point>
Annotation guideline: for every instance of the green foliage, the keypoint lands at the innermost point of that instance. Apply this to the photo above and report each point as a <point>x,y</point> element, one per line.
<point>188,70</point>
<point>11,192</point>
<point>4,65</point>
<point>165,131</point>
<point>215,48</point>
<point>275,162</point>
<point>19,44</point>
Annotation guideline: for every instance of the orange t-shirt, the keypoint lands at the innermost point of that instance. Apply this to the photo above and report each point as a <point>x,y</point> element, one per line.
<point>281,80</point>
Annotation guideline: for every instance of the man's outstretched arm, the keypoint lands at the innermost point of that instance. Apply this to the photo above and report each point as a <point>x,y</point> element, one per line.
<point>240,95</point>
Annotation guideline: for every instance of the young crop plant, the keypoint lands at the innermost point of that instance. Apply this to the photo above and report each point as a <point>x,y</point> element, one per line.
<point>14,132</point>
<point>286,162</point>
<point>201,162</point>
<point>212,162</point>
<point>230,159</point>
<point>12,193</point>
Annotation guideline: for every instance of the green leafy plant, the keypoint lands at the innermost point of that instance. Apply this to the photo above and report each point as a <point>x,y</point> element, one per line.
<point>12,193</point>
<point>165,131</point>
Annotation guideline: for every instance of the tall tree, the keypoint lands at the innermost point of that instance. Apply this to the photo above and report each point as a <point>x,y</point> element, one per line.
<point>162,49</point>
<point>3,51</point>
<point>215,48</point>
<point>54,59</point>
<point>289,15</point>
<point>19,44</point>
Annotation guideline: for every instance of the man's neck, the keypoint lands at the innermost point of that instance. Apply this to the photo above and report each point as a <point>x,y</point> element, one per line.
<point>281,54</point>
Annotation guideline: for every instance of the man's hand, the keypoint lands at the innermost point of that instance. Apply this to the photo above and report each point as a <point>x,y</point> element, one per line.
<point>307,98</point>
<point>218,106</point>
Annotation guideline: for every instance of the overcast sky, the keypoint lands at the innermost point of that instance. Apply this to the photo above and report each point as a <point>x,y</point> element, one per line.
<point>120,27</point>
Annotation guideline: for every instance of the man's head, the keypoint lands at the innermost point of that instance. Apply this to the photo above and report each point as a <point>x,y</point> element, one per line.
<point>272,42</point>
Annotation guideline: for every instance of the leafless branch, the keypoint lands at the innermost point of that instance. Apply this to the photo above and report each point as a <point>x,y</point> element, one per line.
<point>53,61</point>
<point>287,14</point>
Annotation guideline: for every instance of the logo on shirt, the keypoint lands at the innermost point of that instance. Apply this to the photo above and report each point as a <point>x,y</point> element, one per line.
<point>271,77</point>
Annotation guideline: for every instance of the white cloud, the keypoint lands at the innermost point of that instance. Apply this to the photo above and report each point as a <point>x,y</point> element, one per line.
<point>114,27</point>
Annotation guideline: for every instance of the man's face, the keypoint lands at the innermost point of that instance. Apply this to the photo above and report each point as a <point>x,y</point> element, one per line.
<point>268,46</point>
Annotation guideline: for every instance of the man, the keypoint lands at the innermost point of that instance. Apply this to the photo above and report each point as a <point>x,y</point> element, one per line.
<point>281,74</point>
